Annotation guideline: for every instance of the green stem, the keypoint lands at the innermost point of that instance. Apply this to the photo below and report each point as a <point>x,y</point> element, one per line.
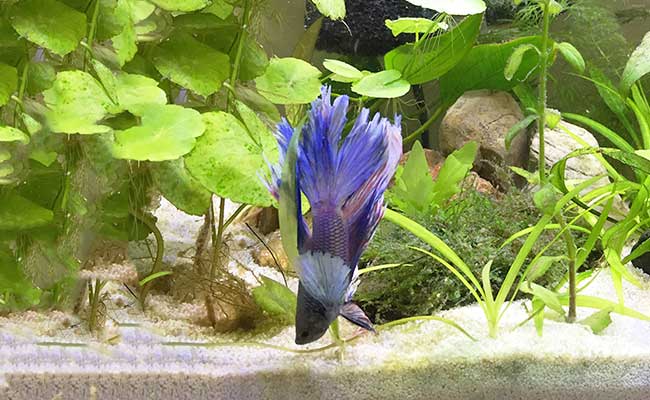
<point>217,238</point>
<point>21,91</point>
<point>92,29</point>
<point>241,39</point>
<point>94,303</point>
<point>571,253</point>
<point>541,108</point>
<point>160,250</point>
<point>410,138</point>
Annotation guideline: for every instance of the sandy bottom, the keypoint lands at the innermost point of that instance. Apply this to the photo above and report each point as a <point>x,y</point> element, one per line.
<point>50,356</point>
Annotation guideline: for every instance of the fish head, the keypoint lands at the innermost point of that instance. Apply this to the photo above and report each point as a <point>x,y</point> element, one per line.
<point>313,318</point>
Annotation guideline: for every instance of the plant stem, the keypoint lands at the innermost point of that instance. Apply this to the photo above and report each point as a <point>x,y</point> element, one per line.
<point>92,29</point>
<point>541,108</point>
<point>416,133</point>
<point>93,297</point>
<point>160,250</point>
<point>217,238</point>
<point>234,75</point>
<point>571,252</point>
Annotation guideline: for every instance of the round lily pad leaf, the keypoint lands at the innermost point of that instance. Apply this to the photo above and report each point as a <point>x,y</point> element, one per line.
<point>228,161</point>
<point>289,81</point>
<point>181,5</point>
<point>167,132</point>
<point>76,102</point>
<point>11,134</point>
<point>343,72</point>
<point>385,84</point>
<point>181,188</point>
<point>130,92</point>
<point>50,24</point>
<point>192,64</point>
<point>8,82</point>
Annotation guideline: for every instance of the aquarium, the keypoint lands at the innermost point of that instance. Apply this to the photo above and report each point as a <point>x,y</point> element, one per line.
<point>324,199</point>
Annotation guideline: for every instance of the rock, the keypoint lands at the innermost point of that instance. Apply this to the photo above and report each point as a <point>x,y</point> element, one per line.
<point>264,219</point>
<point>558,143</point>
<point>485,117</point>
<point>264,257</point>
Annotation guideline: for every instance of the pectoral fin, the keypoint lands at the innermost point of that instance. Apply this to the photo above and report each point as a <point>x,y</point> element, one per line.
<point>354,314</point>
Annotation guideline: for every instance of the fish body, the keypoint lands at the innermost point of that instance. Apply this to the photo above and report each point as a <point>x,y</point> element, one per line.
<point>344,180</point>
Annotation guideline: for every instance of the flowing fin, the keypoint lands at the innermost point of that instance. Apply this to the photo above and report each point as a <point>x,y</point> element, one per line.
<point>354,314</point>
<point>325,277</point>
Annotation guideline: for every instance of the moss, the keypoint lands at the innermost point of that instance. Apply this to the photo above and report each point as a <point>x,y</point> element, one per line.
<point>474,226</point>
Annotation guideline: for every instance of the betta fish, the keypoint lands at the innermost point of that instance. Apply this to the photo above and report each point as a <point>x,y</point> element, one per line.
<point>344,179</point>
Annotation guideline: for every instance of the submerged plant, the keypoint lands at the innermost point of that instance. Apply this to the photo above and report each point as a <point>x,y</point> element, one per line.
<point>344,180</point>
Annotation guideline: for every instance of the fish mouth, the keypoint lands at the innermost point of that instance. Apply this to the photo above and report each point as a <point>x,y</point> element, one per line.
<point>307,337</point>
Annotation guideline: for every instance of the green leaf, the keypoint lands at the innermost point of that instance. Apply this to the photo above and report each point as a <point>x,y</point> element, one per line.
<point>254,60</point>
<point>288,206</point>
<point>76,102</point>
<point>220,8</point>
<point>41,77</point>
<point>254,125</point>
<point>4,155</point>
<point>343,72</point>
<point>608,92</point>
<point>179,187</point>
<point>545,199</point>
<point>192,64</point>
<point>516,58</point>
<point>153,276</point>
<point>14,281</point>
<point>167,132</point>
<point>414,25</point>
<point>637,65</point>
<point>431,58</point>
<point>276,299</point>
<point>181,5</point>
<point>46,158</point>
<point>11,134</point>
<point>554,8</point>
<point>452,173</point>
<point>483,68</point>
<point>541,265</point>
<point>49,24</point>
<point>553,117</point>
<point>227,160</point>
<point>289,81</point>
<point>385,84</point>
<point>455,7</point>
<point>8,82</point>
<point>19,213</point>
<point>518,128</point>
<point>129,92</point>
<point>571,55</point>
<point>598,321</point>
<point>413,189</point>
<point>333,9</point>
<point>550,298</point>
<point>125,41</point>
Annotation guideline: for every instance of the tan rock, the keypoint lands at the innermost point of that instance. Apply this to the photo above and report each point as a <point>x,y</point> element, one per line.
<point>485,117</point>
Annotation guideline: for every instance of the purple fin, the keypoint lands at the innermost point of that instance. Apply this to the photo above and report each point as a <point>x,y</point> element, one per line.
<point>354,314</point>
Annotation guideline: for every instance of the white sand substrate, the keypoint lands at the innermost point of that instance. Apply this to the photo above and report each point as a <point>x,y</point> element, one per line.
<point>140,357</point>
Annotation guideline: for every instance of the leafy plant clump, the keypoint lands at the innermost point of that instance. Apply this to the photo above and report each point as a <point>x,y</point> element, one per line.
<point>474,226</point>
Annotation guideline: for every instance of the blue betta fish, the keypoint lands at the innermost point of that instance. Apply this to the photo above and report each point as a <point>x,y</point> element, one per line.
<point>344,179</point>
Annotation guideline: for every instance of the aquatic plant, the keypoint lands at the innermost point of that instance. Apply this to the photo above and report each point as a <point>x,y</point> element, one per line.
<point>344,184</point>
<point>474,225</point>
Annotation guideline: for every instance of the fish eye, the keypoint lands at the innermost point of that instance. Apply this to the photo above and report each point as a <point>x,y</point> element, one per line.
<point>304,334</point>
